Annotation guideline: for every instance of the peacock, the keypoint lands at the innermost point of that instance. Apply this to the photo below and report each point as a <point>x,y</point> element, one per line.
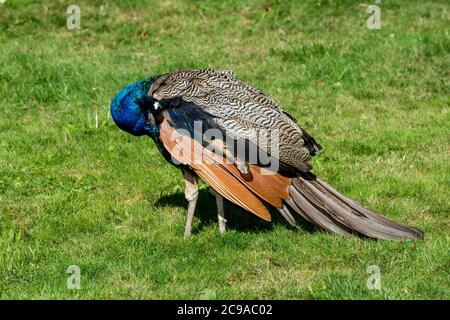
<point>246,148</point>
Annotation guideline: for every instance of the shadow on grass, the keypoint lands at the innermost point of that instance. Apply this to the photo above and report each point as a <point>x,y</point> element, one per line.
<point>237,218</point>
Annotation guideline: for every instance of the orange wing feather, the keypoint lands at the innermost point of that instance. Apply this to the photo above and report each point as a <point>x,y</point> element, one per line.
<point>224,177</point>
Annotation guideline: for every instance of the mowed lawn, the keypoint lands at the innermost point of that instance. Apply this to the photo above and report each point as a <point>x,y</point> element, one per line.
<point>76,193</point>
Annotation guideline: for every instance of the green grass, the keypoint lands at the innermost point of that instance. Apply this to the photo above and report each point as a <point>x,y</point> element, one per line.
<point>377,100</point>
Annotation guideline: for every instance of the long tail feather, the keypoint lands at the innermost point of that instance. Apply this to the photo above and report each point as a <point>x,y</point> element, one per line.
<point>320,204</point>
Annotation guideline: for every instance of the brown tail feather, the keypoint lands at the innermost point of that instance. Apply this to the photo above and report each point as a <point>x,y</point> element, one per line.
<point>320,204</point>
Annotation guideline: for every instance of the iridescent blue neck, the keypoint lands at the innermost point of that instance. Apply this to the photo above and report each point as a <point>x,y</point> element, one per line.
<point>130,109</point>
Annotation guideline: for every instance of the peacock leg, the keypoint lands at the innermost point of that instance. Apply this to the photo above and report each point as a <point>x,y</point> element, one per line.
<point>220,212</point>
<point>191,195</point>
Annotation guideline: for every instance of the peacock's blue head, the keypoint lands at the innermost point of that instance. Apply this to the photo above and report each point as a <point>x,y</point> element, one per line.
<point>130,109</point>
